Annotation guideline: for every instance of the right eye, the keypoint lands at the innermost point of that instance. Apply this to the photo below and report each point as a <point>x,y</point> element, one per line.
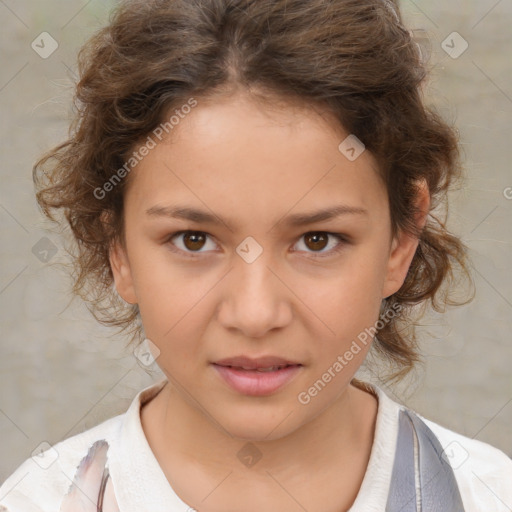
<point>191,242</point>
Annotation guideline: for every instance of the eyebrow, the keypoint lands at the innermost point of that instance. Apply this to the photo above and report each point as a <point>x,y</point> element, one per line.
<point>294,220</point>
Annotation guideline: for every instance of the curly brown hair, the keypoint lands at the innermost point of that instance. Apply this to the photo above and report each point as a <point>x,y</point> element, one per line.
<point>353,57</point>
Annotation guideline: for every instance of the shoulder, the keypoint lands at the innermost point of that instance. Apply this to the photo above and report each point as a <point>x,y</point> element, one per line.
<point>41,481</point>
<point>482,471</point>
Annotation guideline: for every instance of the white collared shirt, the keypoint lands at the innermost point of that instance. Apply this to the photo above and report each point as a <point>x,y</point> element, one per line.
<point>483,473</point>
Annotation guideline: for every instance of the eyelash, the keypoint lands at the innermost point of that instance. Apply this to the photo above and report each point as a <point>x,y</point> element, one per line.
<point>191,254</point>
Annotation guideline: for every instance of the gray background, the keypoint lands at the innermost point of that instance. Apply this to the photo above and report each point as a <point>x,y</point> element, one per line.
<point>61,373</point>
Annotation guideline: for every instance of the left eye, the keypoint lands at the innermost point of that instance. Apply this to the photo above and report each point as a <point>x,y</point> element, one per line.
<point>319,240</point>
<point>193,241</point>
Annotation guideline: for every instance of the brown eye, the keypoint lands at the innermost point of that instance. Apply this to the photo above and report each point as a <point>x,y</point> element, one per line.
<point>316,241</point>
<point>190,242</point>
<point>193,241</point>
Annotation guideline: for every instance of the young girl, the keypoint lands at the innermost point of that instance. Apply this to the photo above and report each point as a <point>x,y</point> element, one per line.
<point>257,179</point>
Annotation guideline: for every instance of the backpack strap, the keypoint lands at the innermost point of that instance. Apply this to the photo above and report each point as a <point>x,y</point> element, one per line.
<point>420,464</point>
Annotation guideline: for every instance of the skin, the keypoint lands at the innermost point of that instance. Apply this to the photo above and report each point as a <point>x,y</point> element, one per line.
<point>255,164</point>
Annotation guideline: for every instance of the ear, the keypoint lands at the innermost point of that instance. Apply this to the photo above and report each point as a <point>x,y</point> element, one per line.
<point>404,246</point>
<point>121,270</point>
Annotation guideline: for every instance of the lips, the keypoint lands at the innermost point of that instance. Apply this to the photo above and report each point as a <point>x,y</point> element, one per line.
<point>265,363</point>
<point>265,376</point>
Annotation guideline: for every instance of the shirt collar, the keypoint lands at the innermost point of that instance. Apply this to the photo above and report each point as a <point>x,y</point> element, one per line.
<point>140,483</point>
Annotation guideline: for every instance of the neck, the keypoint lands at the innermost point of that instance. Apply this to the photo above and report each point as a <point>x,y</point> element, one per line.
<point>341,435</point>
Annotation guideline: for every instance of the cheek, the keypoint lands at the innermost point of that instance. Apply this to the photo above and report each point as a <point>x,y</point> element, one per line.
<point>160,291</point>
<point>173,306</point>
<point>349,304</point>
<point>172,297</point>
<point>355,289</point>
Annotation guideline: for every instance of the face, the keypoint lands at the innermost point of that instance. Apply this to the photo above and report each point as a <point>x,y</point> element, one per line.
<point>251,275</point>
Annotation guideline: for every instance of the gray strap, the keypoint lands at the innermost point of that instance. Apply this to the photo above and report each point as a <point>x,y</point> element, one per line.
<point>402,492</point>
<point>439,490</point>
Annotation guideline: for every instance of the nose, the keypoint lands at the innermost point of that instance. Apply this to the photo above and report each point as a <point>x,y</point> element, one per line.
<point>255,298</point>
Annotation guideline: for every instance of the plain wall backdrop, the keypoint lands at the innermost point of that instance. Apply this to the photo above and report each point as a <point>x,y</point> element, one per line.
<point>61,372</point>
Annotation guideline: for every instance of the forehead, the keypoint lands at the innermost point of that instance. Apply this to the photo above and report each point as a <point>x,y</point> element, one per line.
<point>247,157</point>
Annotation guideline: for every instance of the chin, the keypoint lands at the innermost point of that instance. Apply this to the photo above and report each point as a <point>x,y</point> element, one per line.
<point>258,426</point>
<point>258,434</point>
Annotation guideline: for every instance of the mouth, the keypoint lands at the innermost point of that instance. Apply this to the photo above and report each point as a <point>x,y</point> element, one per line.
<point>257,377</point>
<point>264,363</point>
<point>269,369</point>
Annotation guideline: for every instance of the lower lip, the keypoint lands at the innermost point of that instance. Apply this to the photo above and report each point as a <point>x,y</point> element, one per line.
<point>255,383</point>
